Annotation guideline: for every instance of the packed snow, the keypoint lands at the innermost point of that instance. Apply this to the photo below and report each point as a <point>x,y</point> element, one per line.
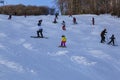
<point>85,58</point>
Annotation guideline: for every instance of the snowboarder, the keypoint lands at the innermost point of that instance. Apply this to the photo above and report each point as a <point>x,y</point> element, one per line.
<point>55,21</point>
<point>112,40</point>
<point>40,30</point>
<point>74,20</point>
<point>63,41</point>
<point>93,21</point>
<point>103,33</point>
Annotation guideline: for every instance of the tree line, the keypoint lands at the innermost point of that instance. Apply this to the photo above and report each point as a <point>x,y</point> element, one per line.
<point>89,6</point>
<point>26,10</point>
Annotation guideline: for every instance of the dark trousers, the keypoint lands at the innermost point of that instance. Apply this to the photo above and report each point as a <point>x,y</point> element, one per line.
<point>102,39</point>
<point>39,32</point>
<point>63,28</point>
<point>63,43</point>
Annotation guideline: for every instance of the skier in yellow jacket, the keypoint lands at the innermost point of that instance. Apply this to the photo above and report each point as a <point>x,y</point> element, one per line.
<point>63,41</point>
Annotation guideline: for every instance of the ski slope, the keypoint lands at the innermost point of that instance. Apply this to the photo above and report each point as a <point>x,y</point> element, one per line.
<point>85,58</point>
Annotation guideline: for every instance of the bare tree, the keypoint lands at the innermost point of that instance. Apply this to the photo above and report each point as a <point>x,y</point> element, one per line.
<point>89,6</point>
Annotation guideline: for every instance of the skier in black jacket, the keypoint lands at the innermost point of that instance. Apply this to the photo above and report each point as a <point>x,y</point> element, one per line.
<point>112,40</point>
<point>103,33</point>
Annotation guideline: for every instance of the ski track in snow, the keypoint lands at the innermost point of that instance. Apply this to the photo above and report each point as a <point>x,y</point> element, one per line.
<point>28,46</point>
<point>99,54</point>
<point>75,59</point>
<point>82,60</point>
<point>58,53</point>
<point>15,66</point>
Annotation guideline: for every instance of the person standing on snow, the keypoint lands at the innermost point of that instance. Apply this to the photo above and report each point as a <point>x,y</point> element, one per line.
<point>55,21</point>
<point>63,41</point>
<point>93,21</point>
<point>10,17</point>
<point>103,33</point>
<point>40,30</point>
<point>74,20</point>
<point>63,27</point>
<point>112,40</point>
<point>56,15</point>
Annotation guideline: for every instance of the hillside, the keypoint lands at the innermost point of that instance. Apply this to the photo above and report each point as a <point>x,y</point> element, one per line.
<point>85,58</point>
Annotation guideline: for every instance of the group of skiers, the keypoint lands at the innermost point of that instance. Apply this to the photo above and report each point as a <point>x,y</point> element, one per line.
<point>10,16</point>
<point>103,37</point>
<point>64,39</point>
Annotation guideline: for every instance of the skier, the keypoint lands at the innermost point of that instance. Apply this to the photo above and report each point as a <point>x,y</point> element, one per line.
<point>93,21</point>
<point>55,21</point>
<point>103,33</point>
<point>10,16</point>
<point>112,40</point>
<point>63,27</point>
<point>40,30</point>
<point>56,15</point>
<point>74,20</point>
<point>63,41</point>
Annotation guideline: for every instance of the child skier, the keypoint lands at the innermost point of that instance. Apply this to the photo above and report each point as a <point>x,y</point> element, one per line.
<point>63,41</point>
<point>112,40</point>
<point>63,27</point>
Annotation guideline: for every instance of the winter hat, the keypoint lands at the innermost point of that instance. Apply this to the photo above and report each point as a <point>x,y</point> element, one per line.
<point>63,36</point>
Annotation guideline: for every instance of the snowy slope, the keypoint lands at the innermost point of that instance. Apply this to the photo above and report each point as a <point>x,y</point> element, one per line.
<point>85,58</point>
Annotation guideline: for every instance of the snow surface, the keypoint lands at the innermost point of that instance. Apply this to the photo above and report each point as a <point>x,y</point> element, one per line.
<point>85,58</point>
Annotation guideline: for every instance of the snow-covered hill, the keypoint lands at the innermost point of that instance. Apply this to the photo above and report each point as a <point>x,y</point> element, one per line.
<point>85,58</point>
